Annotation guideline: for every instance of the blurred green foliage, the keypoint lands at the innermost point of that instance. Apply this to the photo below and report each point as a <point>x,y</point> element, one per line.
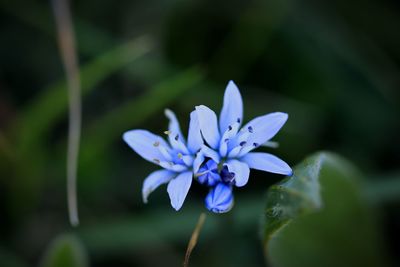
<point>65,251</point>
<point>333,66</point>
<point>321,217</point>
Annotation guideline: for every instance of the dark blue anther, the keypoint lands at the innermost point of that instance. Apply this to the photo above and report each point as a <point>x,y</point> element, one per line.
<point>226,176</point>
<point>250,129</point>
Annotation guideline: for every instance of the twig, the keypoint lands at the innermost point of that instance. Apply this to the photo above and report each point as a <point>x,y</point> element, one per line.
<point>193,238</point>
<point>69,58</point>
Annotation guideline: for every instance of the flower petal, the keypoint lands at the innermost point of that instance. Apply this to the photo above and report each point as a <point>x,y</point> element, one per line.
<point>195,141</point>
<point>265,127</point>
<point>228,138</point>
<point>177,143</point>
<point>154,180</point>
<point>208,125</point>
<point>241,171</point>
<point>172,167</point>
<point>220,198</point>
<point>178,189</point>
<point>232,109</point>
<point>209,153</point>
<point>173,125</point>
<point>145,144</point>
<point>267,162</point>
<point>198,160</point>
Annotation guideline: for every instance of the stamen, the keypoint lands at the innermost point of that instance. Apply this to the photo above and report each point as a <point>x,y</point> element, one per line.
<point>156,144</point>
<point>229,128</point>
<point>167,132</point>
<point>238,120</point>
<point>226,140</point>
<point>243,143</point>
<point>196,175</point>
<point>255,144</point>
<point>156,161</point>
<point>176,137</point>
<point>250,129</point>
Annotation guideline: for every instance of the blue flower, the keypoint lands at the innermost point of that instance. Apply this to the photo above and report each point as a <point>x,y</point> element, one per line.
<point>177,157</point>
<point>230,147</point>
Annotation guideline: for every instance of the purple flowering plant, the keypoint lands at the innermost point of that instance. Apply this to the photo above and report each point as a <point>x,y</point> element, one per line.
<point>217,153</point>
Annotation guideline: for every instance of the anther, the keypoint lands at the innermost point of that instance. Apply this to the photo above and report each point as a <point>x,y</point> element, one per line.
<point>238,120</point>
<point>177,137</point>
<point>226,140</point>
<point>242,143</point>
<point>167,132</point>
<point>250,129</point>
<point>156,144</point>
<point>229,128</point>
<point>255,144</point>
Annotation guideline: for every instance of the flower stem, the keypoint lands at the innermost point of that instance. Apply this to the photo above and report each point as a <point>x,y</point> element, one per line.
<point>66,42</point>
<point>193,238</point>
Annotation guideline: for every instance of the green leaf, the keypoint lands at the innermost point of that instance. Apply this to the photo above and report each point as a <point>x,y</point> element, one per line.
<point>65,251</point>
<point>318,217</point>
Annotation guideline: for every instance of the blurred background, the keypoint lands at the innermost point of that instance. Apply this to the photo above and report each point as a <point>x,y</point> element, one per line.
<point>334,66</point>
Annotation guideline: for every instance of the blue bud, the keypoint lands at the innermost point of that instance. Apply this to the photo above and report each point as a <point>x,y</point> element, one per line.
<point>209,173</point>
<point>220,198</point>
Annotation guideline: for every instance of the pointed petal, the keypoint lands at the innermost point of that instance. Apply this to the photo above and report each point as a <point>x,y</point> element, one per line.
<point>172,167</point>
<point>232,109</point>
<point>241,171</point>
<point>178,189</point>
<point>177,142</point>
<point>145,144</point>
<point>209,153</point>
<point>267,162</point>
<point>265,127</point>
<point>271,144</point>
<point>173,125</point>
<point>227,138</point>
<point>223,148</point>
<point>195,141</point>
<point>220,198</point>
<point>188,160</point>
<point>154,180</point>
<point>198,160</point>
<point>208,125</point>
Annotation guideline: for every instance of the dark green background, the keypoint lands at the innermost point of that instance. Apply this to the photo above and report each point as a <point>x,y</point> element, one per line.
<point>334,66</point>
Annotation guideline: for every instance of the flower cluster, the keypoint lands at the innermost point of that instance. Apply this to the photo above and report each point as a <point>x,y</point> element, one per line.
<point>217,153</point>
